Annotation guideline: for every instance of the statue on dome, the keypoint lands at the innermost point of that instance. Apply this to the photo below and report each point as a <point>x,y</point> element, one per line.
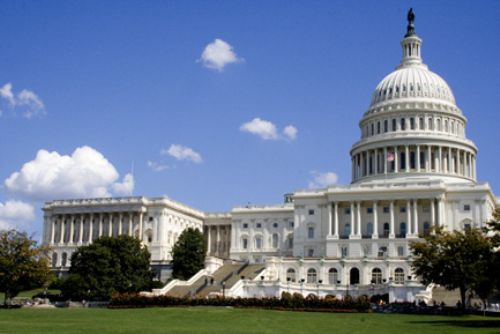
<point>410,29</point>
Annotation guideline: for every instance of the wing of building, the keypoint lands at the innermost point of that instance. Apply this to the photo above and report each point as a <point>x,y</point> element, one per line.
<point>413,168</point>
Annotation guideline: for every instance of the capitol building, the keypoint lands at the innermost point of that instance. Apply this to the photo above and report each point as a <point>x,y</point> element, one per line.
<point>413,168</point>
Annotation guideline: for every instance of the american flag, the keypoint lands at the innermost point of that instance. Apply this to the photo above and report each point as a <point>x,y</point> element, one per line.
<point>391,156</point>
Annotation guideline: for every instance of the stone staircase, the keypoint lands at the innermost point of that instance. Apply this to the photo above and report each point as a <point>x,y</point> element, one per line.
<point>449,297</point>
<point>229,273</point>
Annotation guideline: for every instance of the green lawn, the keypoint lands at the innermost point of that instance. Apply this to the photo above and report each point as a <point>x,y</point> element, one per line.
<point>228,321</point>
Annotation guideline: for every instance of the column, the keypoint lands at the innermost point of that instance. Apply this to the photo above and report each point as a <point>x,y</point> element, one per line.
<point>110,225</point>
<point>100,226</point>
<point>396,159</point>
<point>453,161</point>
<point>376,162</point>
<point>440,211</point>
<point>61,239</point>
<point>415,218</point>
<point>336,216</point>
<point>141,216</point>
<point>352,220</point>
<point>385,160</point>
<point>474,167</point>
<point>80,234</point>
<point>449,160</point>
<point>428,161</point>
<point>375,220</point>
<point>329,207</point>
<point>362,164</point>
<point>407,158</point>
<point>417,152</point>
<point>120,216</point>
<point>433,213</point>
<point>53,230</point>
<point>217,240</point>
<point>469,174</point>
<point>130,223</point>
<point>91,227</point>
<point>408,218</point>
<point>72,229</point>
<point>208,240</point>
<point>358,212</point>
<point>391,221</point>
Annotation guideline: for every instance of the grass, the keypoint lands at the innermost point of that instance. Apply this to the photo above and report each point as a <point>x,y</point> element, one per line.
<point>229,321</point>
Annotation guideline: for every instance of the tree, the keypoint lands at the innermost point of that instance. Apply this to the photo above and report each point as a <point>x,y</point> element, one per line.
<point>456,260</point>
<point>23,264</point>
<point>188,254</point>
<point>106,266</point>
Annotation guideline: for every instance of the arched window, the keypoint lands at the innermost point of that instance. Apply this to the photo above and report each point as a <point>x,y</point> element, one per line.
<point>399,276</point>
<point>402,229</point>
<point>258,242</point>
<point>64,259</point>
<point>244,243</point>
<point>290,241</point>
<point>311,275</point>
<point>54,260</point>
<point>333,276</point>
<point>310,232</point>
<point>386,230</point>
<point>402,124</point>
<point>290,275</point>
<point>275,240</point>
<point>394,124</point>
<point>354,276</point>
<point>369,229</point>
<point>376,276</point>
<point>347,229</point>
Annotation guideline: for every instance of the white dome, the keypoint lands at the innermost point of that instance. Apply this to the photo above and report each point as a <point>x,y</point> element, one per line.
<point>412,82</point>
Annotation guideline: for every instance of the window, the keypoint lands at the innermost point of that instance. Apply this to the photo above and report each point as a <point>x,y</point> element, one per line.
<point>54,259</point>
<point>378,127</point>
<point>402,209</point>
<point>290,224</point>
<point>311,275</point>
<point>347,211</point>
<point>386,209</point>
<point>426,208</point>
<point>377,276</point>
<point>344,251</point>
<point>290,241</point>
<point>275,225</point>
<point>333,276</point>
<point>421,125</point>
<point>244,243</point>
<point>426,228</point>
<point>369,229</point>
<point>430,124</point>
<point>275,240</point>
<point>399,276</point>
<point>311,212</point>
<point>394,124</point>
<point>372,132</point>
<point>402,229</point>
<point>258,225</point>
<point>386,229</point>
<point>401,251</point>
<point>64,259</point>
<point>369,210</point>
<point>310,232</point>
<point>466,207</point>
<point>403,124</point>
<point>258,242</point>
<point>382,251</point>
<point>150,219</point>
<point>245,225</point>
<point>347,229</point>
<point>310,252</point>
<point>412,123</point>
<point>386,126</point>
<point>290,275</point>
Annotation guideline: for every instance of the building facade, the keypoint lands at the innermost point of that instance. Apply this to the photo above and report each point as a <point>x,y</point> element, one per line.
<point>413,168</point>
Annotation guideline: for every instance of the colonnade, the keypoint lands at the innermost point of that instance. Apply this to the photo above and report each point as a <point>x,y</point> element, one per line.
<point>414,158</point>
<point>222,240</point>
<point>86,227</point>
<point>412,220</point>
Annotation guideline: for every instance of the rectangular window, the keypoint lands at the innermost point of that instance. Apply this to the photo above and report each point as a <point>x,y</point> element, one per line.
<point>421,125</point>
<point>369,210</point>
<point>394,125</point>
<point>412,123</point>
<point>378,127</point>
<point>290,224</point>
<point>401,251</point>
<point>386,126</point>
<point>258,225</point>
<point>466,207</point>
<point>245,243</point>
<point>382,251</point>
<point>245,225</point>
<point>310,232</point>
<point>347,211</point>
<point>344,251</point>
<point>311,212</point>
<point>402,209</point>
<point>386,209</point>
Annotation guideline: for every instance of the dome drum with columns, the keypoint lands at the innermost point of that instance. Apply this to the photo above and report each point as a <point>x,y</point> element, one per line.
<point>412,169</point>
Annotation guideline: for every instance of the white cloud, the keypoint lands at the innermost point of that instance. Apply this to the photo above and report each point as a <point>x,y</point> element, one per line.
<point>262,128</point>
<point>182,153</point>
<point>156,167</point>
<point>218,54</point>
<point>267,130</point>
<point>323,180</point>
<point>84,173</point>
<point>25,102</point>
<point>126,187</point>
<point>290,132</point>
<point>16,214</point>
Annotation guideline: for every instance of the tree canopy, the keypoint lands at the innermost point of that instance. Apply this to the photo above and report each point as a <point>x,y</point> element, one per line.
<point>108,265</point>
<point>23,264</point>
<point>461,260</point>
<point>188,254</point>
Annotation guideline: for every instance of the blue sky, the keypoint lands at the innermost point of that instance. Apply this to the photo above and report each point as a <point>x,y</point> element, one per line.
<point>121,82</point>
